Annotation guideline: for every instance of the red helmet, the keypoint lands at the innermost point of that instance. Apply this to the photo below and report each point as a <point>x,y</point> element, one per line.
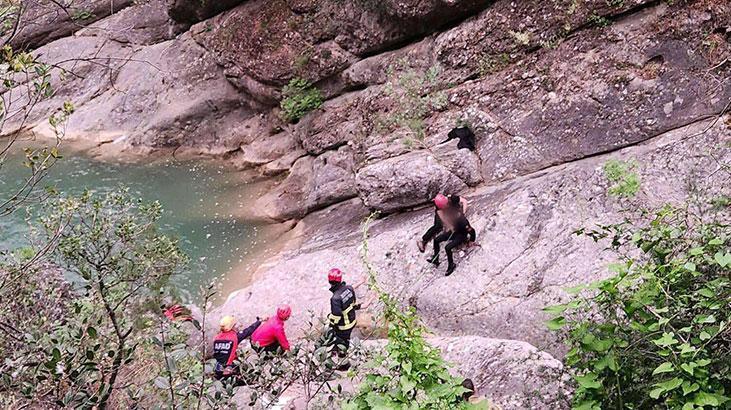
<point>441,201</point>
<point>284,312</point>
<point>335,275</point>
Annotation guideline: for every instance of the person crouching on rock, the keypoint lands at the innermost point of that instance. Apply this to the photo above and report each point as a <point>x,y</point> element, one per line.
<point>270,336</point>
<point>457,232</point>
<point>441,205</point>
<point>226,343</point>
<point>342,312</point>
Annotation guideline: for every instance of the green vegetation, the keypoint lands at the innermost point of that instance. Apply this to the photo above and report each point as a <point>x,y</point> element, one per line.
<point>311,364</point>
<point>522,38</point>
<point>101,340</point>
<point>721,202</point>
<point>416,94</point>
<point>625,182</point>
<point>81,15</point>
<point>493,63</point>
<point>298,98</point>
<point>179,371</point>
<point>121,266</point>
<point>411,374</point>
<point>301,61</point>
<point>599,21</point>
<point>656,333</point>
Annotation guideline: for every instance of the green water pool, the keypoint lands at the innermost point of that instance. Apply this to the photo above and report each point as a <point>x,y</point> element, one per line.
<point>202,201</point>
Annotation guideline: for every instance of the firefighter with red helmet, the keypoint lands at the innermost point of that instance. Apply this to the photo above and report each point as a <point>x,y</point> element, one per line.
<point>342,311</point>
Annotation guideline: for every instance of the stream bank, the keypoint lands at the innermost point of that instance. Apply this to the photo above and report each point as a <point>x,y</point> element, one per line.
<point>206,205</point>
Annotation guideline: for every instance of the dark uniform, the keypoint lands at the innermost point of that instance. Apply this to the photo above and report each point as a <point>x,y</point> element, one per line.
<point>224,349</point>
<point>462,233</point>
<point>342,315</point>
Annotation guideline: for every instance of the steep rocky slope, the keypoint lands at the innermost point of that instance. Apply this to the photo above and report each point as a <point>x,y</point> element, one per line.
<point>552,90</point>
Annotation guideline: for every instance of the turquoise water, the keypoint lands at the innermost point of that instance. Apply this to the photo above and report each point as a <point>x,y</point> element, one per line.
<point>202,204</point>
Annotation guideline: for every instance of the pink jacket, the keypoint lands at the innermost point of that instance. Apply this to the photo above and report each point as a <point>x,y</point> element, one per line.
<point>270,332</point>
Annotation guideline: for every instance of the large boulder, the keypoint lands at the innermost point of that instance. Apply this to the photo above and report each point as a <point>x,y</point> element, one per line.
<point>144,23</point>
<point>266,150</point>
<point>94,62</point>
<point>511,374</point>
<point>184,101</point>
<point>313,183</point>
<point>272,42</point>
<point>190,12</point>
<point>415,178</point>
<point>42,21</point>
<point>165,95</point>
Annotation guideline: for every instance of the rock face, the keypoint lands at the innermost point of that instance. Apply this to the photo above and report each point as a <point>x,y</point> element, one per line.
<point>509,373</point>
<point>190,12</point>
<point>539,85</point>
<point>42,21</point>
<point>551,92</point>
<point>526,253</point>
<point>537,91</point>
<point>132,81</point>
<point>144,24</point>
<point>272,42</point>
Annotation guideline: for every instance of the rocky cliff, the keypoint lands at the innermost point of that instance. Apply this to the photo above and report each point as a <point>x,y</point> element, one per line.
<point>552,89</point>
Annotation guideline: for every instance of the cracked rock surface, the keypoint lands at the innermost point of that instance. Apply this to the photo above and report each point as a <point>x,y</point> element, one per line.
<point>550,95</point>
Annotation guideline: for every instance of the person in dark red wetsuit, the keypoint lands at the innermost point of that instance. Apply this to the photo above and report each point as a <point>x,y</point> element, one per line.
<point>270,336</point>
<point>226,343</point>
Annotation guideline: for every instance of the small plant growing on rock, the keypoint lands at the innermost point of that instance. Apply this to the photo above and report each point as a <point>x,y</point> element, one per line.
<point>522,38</point>
<point>625,182</point>
<point>615,3</point>
<point>298,98</point>
<point>81,15</point>
<point>599,21</point>
<point>493,63</point>
<point>657,334</point>
<point>416,95</point>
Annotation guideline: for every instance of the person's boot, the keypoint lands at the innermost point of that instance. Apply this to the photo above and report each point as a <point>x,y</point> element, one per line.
<point>420,245</point>
<point>450,269</point>
<point>433,260</point>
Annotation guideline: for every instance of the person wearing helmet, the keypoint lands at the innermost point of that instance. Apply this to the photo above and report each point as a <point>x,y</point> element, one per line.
<point>442,205</point>
<point>342,311</point>
<point>226,343</point>
<point>270,336</point>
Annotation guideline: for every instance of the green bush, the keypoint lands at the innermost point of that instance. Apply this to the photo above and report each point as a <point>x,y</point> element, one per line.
<point>624,181</point>
<point>656,334</point>
<point>298,98</point>
<point>415,95</point>
<point>121,265</point>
